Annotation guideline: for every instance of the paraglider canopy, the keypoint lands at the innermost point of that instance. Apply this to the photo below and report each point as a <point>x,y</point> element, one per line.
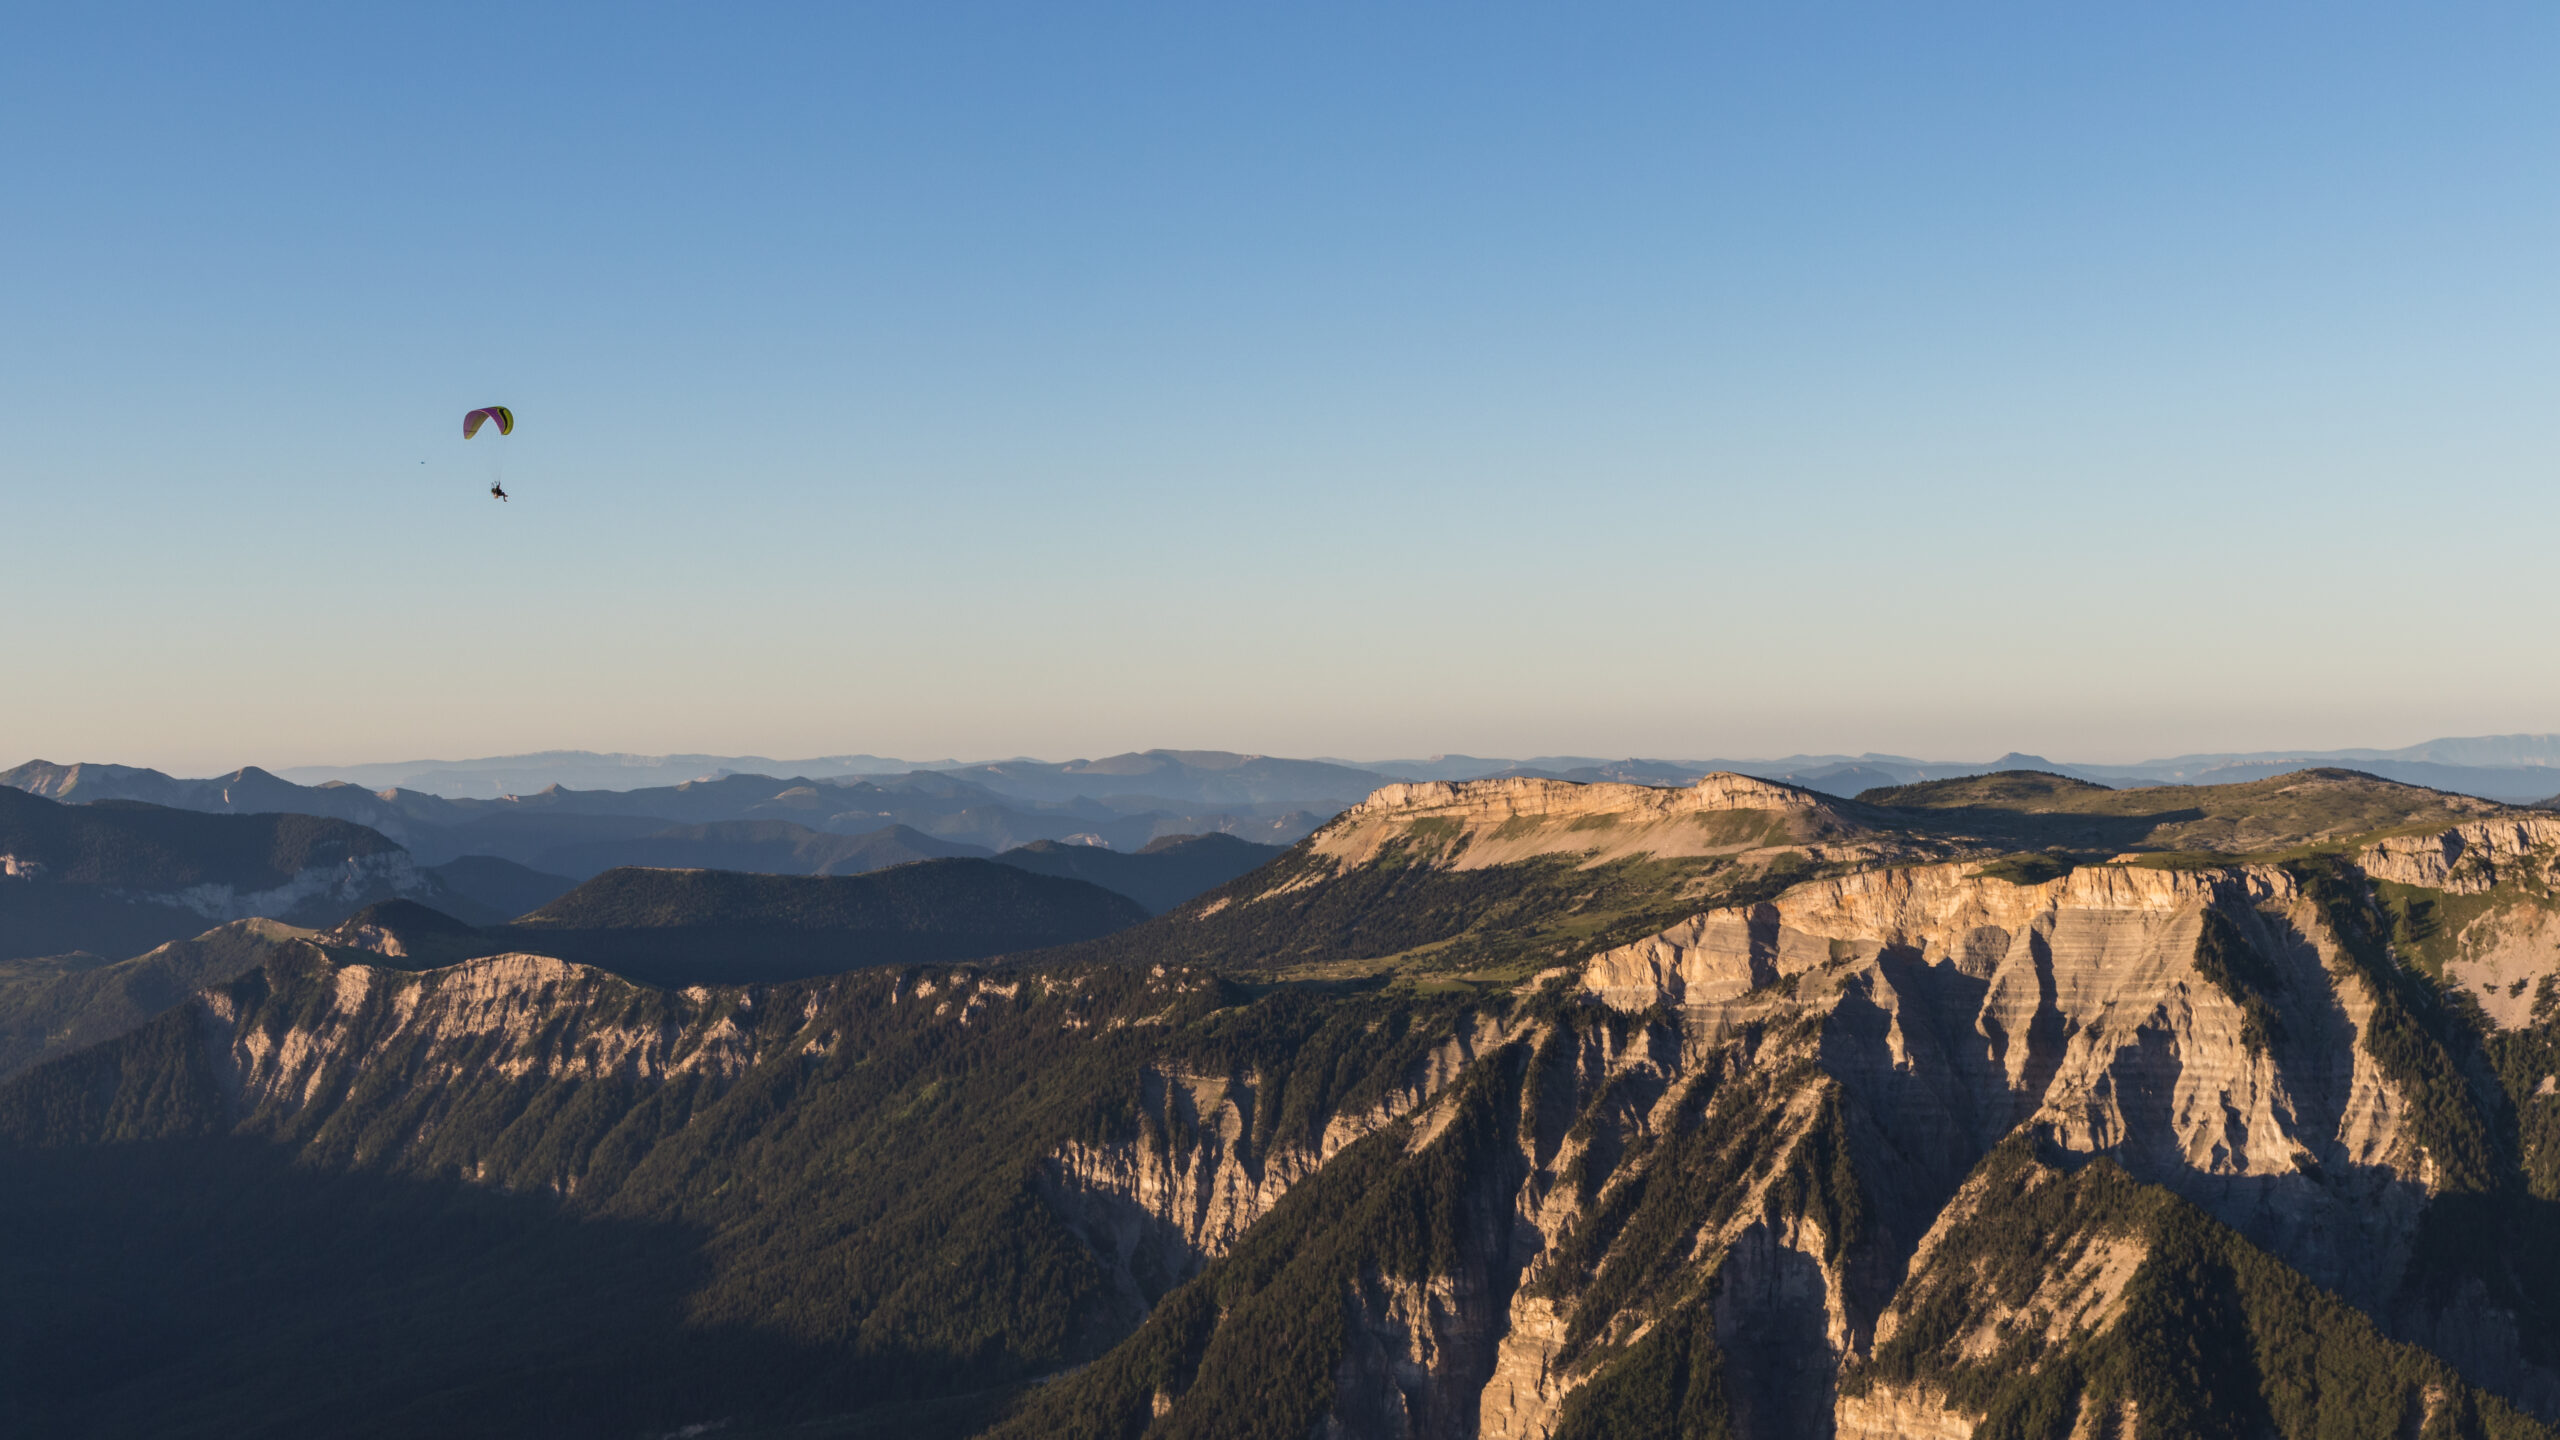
<point>505,417</point>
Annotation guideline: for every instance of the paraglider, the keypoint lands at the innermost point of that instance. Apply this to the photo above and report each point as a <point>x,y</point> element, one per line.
<point>506,422</point>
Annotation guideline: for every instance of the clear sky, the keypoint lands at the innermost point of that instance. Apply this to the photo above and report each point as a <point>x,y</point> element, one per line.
<point>1355,379</point>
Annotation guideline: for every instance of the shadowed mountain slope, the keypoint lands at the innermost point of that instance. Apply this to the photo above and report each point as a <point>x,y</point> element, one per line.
<point>1164,874</point>
<point>500,889</point>
<point>148,847</point>
<point>57,1004</point>
<point>691,927</point>
<point>684,1209</point>
<point>1043,802</point>
<point>779,847</point>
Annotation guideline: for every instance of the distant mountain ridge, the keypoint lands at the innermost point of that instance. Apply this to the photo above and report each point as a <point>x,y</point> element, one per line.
<point>87,865</point>
<point>493,776</point>
<point>2499,767</point>
<point>954,808</point>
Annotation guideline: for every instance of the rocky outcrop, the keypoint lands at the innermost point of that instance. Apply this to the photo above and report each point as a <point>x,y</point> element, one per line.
<point>1937,915</point>
<point>2504,961</point>
<point>1892,1414</point>
<point>496,1015</point>
<point>380,940</point>
<point>1513,796</point>
<point>1473,824</point>
<point>1191,1182</point>
<point>2468,859</point>
<point>2484,908</point>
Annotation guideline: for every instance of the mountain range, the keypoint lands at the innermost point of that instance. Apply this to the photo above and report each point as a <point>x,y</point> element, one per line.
<point>2515,768</point>
<point>949,807</point>
<point>120,876</point>
<point>1122,802</point>
<point>113,876</point>
<point>2006,1105</point>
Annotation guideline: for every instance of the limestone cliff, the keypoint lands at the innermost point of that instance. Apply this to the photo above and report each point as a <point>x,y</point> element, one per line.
<point>2204,1029</point>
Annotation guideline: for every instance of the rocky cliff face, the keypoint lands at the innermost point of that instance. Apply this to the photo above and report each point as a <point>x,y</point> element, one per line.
<point>2468,859</point>
<point>1957,1009</point>
<point>492,1017</point>
<point>1816,1076</point>
<point>2207,1031</point>
<point>1192,1180</point>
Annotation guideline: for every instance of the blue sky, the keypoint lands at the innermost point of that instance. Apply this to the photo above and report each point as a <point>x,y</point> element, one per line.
<point>1358,379</point>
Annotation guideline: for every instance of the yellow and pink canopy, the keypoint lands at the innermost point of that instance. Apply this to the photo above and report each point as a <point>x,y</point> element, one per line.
<point>505,417</point>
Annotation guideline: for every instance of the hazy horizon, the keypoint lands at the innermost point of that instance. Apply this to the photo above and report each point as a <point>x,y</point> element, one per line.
<point>931,759</point>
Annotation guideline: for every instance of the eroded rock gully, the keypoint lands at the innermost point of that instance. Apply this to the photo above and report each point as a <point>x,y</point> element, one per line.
<point>1958,1009</point>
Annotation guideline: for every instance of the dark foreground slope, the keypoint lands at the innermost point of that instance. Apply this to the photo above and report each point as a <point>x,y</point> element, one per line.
<point>614,1211</point>
<point>1900,1149</point>
<point>696,927</point>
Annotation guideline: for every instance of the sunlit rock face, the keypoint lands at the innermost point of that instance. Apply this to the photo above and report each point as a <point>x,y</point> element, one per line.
<point>1962,1007</point>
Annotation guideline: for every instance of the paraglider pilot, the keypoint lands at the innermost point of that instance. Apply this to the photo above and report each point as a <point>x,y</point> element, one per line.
<point>506,420</point>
